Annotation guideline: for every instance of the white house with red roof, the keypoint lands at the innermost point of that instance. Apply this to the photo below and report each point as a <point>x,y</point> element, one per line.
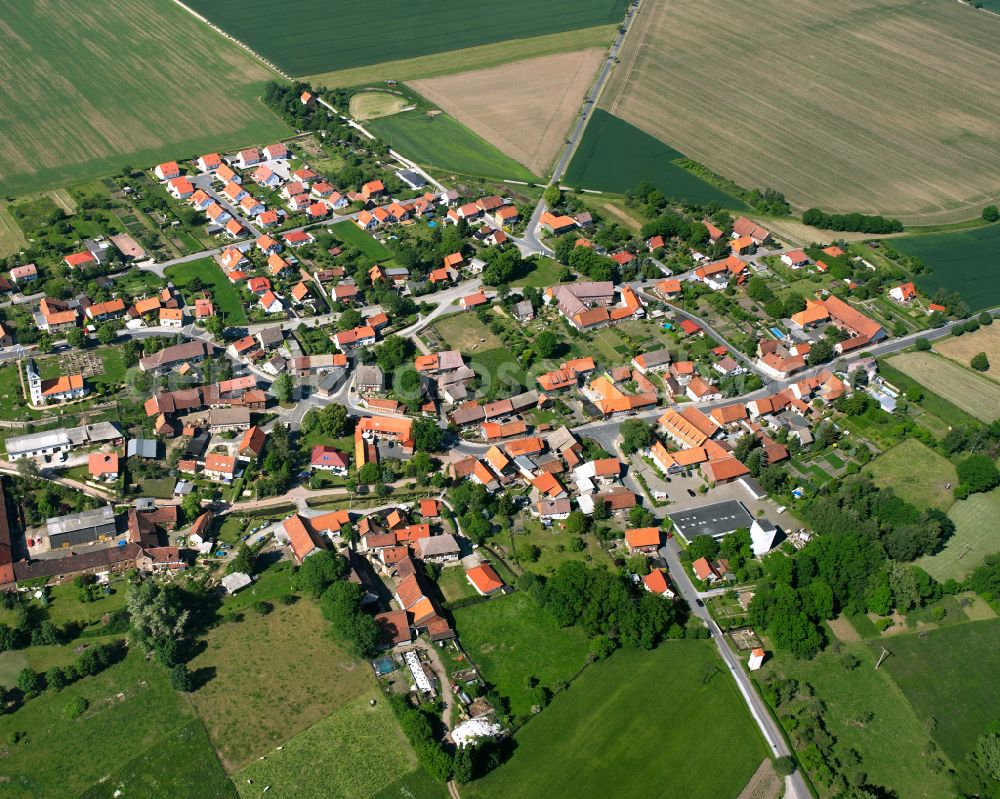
<point>271,302</point>
<point>903,294</point>
<point>275,151</point>
<point>209,162</point>
<point>327,459</point>
<point>180,187</point>
<point>248,157</point>
<point>167,170</point>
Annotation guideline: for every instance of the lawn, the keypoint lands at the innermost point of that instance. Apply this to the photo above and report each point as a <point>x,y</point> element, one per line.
<point>615,156</point>
<point>440,140</point>
<point>348,233</point>
<point>134,714</point>
<point>354,753</point>
<point>892,742</point>
<point>918,114</point>
<point>167,101</point>
<point>544,272</point>
<point>555,546</point>
<point>260,699</point>
<point>976,536</point>
<point>963,261</point>
<point>227,298</point>
<point>976,395</point>
<point>637,724</point>
<point>915,473</point>
<point>463,331</point>
<point>296,35</point>
<point>947,676</point>
<point>454,585</point>
<point>511,639</point>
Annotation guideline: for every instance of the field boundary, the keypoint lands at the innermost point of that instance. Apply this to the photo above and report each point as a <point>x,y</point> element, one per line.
<point>234,40</point>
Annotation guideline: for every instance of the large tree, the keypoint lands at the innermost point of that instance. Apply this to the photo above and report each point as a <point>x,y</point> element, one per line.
<point>157,617</point>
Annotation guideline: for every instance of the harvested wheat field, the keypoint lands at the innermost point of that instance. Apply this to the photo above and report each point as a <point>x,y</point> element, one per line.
<point>526,108</point>
<point>961,349</point>
<point>862,105</point>
<point>971,392</point>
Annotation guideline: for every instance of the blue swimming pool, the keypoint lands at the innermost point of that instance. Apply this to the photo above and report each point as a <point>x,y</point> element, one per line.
<point>432,223</point>
<point>776,332</point>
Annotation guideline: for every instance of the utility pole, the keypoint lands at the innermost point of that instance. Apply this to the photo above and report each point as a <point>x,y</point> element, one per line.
<point>883,656</point>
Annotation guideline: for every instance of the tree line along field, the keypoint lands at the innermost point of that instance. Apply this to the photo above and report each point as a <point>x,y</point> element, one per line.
<point>305,37</point>
<point>615,156</point>
<point>669,722</point>
<point>866,105</point>
<point>91,87</point>
<point>964,261</point>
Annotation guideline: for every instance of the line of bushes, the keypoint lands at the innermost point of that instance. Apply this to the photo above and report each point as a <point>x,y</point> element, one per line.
<point>861,223</point>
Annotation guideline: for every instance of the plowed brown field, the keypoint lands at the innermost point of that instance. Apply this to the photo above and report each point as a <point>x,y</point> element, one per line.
<point>526,108</point>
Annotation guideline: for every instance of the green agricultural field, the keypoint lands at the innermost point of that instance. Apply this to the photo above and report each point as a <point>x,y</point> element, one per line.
<point>183,765</point>
<point>348,233</point>
<point>283,651</point>
<point>62,123</point>
<point>226,296</point>
<point>947,675</point>
<point>304,37</point>
<point>964,261</point>
<point>976,536</point>
<point>915,473</point>
<point>441,141</point>
<point>354,753</point>
<point>511,639</point>
<point>978,396</point>
<point>637,724</point>
<point>469,58</point>
<point>134,718</point>
<point>615,156</point>
<point>891,744</point>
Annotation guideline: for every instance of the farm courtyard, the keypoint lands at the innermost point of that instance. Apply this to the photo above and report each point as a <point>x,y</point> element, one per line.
<point>866,105</point>
<point>89,88</point>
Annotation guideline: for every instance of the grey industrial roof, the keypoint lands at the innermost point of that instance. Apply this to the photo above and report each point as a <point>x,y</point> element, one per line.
<point>59,525</point>
<point>35,441</point>
<point>62,436</point>
<point>715,520</point>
